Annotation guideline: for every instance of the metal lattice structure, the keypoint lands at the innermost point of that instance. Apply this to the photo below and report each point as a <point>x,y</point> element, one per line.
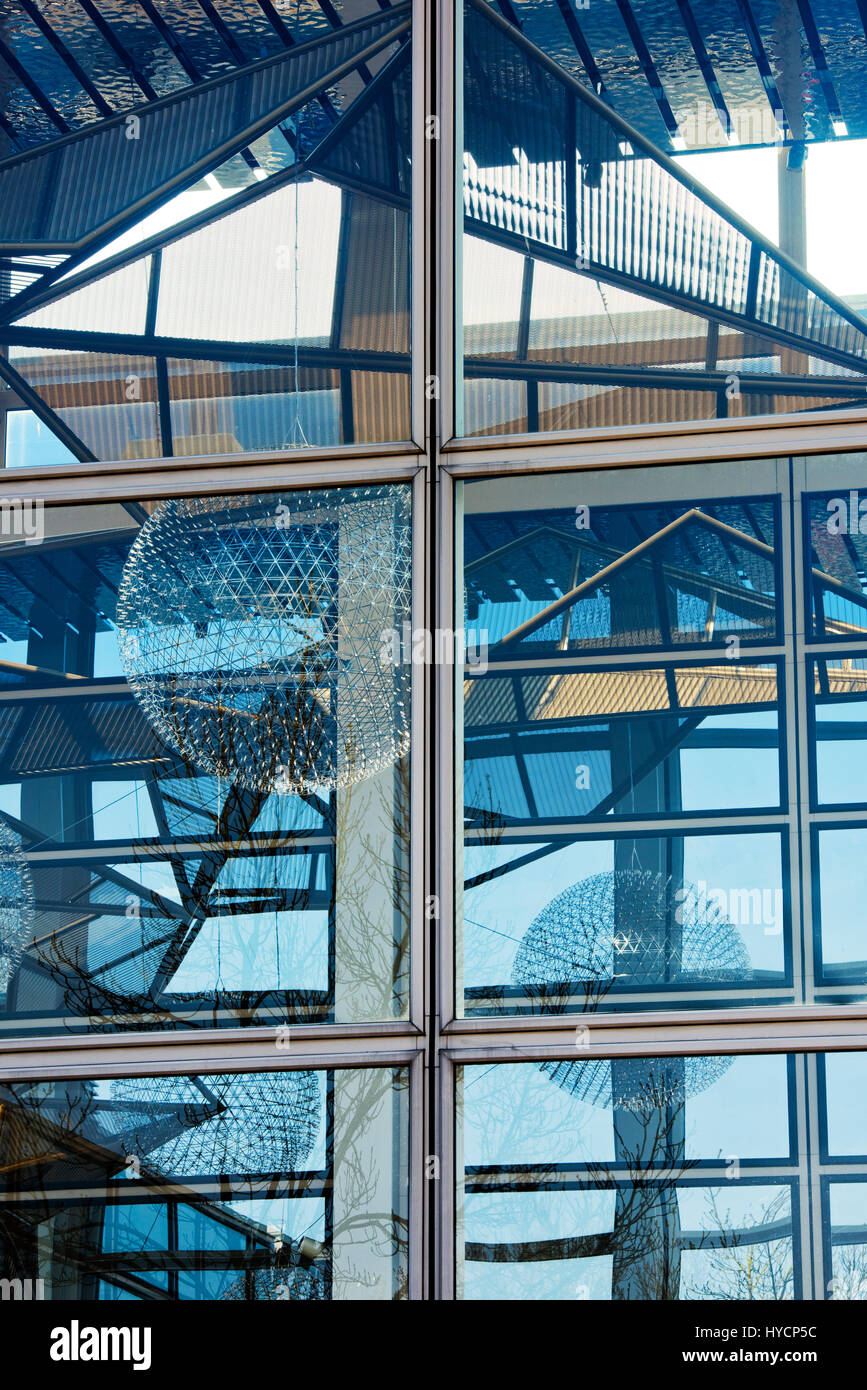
<point>16,903</point>
<point>632,925</point>
<point>253,640</point>
<point>259,1123</point>
<point>637,1084</point>
<point>638,928</point>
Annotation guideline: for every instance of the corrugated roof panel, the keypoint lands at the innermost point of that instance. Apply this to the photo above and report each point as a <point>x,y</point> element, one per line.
<point>68,190</point>
<point>635,215</point>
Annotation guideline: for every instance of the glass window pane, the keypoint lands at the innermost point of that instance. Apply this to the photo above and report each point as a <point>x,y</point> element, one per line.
<point>551,567</point>
<point>594,743</point>
<point>846,1239</point>
<point>836,555</point>
<point>266,1186</point>
<point>204,776</point>
<point>558,913</point>
<point>840,722</point>
<point>288,255</point>
<point>642,1178</point>
<point>29,440</point>
<point>637,922</point>
<point>838,895</point>
<point>258,302</point>
<point>645,168</point>
<point>108,400</point>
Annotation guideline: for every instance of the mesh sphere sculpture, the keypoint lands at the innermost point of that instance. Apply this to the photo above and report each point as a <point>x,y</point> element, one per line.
<point>262,1122</point>
<point>251,632</point>
<point>630,927</point>
<point>16,903</point>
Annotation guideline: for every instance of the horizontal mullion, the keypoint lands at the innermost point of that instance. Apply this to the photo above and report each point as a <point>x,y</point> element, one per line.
<point>707,1032</point>
<point>286,1047</point>
<point>633,446</point>
<point>602,659</point>
<point>602,828</point>
<point>266,471</point>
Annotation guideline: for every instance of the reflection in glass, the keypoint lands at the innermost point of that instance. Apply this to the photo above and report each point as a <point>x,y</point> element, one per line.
<point>108,400</point>
<point>846,1237</point>
<point>259,304</point>
<point>614,1179</point>
<point>836,557</point>
<point>557,742</point>
<point>266,1186</point>
<point>647,741</point>
<point>640,922</point>
<point>29,440</point>
<point>576,577</point>
<point>613,273</point>
<point>840,716</point>
<point>841,920</point>
<point>170,888</point>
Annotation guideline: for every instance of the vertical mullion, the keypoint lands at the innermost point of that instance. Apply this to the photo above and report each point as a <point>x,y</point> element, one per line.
<point>799,790</point>
<point>449,1140</point>
<point>812,1262</point>
<point>328,1232</point>
<point>449,199</point>
<point>436,241</point>
<point>420,887</point>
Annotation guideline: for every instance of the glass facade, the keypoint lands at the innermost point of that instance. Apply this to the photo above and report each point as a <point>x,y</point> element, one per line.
<point>433,651</point>
<point>662,1178</point>
<point>227,1187</point>
<point>304,226</point>
<point>657,216</point>
<point>174,876</point>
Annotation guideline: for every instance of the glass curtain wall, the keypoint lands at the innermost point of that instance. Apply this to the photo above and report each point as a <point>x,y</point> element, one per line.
<point>662,815</point>
<point>432,801</point>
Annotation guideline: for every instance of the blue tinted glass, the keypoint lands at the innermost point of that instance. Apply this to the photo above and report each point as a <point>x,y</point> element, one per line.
<point>203,805</point>
<point>844,1227</point>
<point>841,926</point>
<point>28,440</point>
<point>621,1179</point>
<point>268,1186</point>
<point>633,923</point>
<point>840,714</point>
<point>647,742</point>
<point>568,727</point>
<point>836,527</point>
<point>657,1178</point>
<point>582,577</point>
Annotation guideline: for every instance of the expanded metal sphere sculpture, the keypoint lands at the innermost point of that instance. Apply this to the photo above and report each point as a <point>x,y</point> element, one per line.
<point>631,928</point>
<point>251,632</point>
<point>17,903</point>
<point>259,1122</point>
<point>637,1084</point>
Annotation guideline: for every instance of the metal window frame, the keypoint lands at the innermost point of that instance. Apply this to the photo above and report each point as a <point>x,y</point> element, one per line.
<point>802,1029</point>
<point>432,1042</point>
<point>381,1044</point>
<point>385,1044</point>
